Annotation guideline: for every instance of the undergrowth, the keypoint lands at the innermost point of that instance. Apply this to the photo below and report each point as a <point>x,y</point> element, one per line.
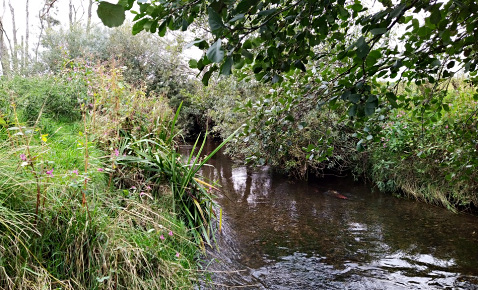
<point>77,213</point>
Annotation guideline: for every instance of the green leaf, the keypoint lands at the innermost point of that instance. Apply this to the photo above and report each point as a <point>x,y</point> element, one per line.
<point>215,22</point>
<point>206,77</point>
<point>215,53</point>
<point>352,110</point>
<point>237,17</point>
<point>226,66</point>
<point>139,25</point>
<point>354,98</point>
<point>370,108</point>
<point>267,12</point>
<point>243,6</point>
<point>392,99</point>
<point>357,7</point>
<point>378,31</point>
<point>193,63</point>
<point>362,48</point>
<point>127,4</point>
<point>435,17</point>
<point>162,28</point>
<point>112,15</point>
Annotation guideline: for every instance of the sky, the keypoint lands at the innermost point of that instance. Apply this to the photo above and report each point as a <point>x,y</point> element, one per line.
<point>60,11</point>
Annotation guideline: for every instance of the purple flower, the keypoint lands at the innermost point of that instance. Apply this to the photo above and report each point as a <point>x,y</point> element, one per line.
<point>170,233</point>
<point>162,237</point>
<point>116,152</point>
<point>100,169</point>
<point>148,187</point>
<point>75,171</point>
<point>177,255</point>
<point>50,172</point>
<point>23,157</point>
<point>133,187</point>
<point>446,126</point>
<point>141,194</point>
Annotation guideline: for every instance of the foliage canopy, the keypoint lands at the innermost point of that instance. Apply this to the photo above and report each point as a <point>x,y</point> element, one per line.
<point>273,37</point>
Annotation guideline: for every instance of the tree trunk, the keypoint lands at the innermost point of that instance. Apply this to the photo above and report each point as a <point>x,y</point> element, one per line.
<point>27,36</point>
<point>88,22</point>
<point>15,42</point>
<point>70,15</point>
<point>22,56</point>
<point>4,61</point>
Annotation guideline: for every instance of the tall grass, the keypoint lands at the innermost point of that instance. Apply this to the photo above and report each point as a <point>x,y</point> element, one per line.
<point>92,205</point>
<point>192,198</point>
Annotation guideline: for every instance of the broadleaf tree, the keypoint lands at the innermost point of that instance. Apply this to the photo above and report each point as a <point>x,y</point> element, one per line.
<point>435,40</point>
<point>341,53</point>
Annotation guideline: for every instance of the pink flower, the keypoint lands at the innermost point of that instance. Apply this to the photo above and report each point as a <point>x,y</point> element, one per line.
<point>133,187</point>
<point>116,152</point>
<point>170,233</point>
<point>23,157</point>
<point>75,171</point>
<point>177,255</point>
<point>162,237</point>
<point>101,169</point>
<point>141,194</point>
<point>446,126</point>
<point>148,187</point>
<point>50,172</point>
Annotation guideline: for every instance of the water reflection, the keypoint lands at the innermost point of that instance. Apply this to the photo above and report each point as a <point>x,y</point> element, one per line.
<point>280,234</point>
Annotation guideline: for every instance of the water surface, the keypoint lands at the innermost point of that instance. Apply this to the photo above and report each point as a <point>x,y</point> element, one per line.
<point>284,234</point>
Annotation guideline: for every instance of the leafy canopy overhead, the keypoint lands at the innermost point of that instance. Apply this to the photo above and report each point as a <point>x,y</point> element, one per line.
<point>274,37</point>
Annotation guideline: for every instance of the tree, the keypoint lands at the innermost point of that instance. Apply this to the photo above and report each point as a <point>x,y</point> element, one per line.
<point>277,36</point>
<point>14,51</point>
<point>4,57</point>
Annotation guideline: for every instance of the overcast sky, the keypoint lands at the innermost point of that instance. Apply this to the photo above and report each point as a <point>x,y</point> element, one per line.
<point>60,12</point>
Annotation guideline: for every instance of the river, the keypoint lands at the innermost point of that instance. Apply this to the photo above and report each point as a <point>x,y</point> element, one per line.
<point>279,233</point>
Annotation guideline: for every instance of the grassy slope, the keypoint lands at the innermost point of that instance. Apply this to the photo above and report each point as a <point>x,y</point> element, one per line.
<point>114,241</point>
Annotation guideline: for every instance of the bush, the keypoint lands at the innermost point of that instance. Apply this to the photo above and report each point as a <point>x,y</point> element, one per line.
<point>54,97</point>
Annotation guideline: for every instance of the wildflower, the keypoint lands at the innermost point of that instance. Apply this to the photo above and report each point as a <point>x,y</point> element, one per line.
<point>101,169</point>
<point>133,187</point>
<point>116,152</point>
<point>50,172</point>
<point>170,233</point>
<point>446,127</point>
<point>177,255</point>
<point>162,237</point>
<point>23,157</point>
<point>75,171</point>
<point>141,194</point>
<point>148,187</point>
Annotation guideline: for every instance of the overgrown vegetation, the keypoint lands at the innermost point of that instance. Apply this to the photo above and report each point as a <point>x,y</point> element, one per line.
<point>81,207</point>
<point>93,194</point>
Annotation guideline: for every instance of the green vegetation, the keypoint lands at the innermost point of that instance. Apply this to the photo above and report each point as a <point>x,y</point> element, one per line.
<point>92,193</point>
<point>336,77</point>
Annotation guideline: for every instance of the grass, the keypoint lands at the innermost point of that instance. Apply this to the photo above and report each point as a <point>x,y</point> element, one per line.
<point>117,243</point>
<point>72,216</point>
